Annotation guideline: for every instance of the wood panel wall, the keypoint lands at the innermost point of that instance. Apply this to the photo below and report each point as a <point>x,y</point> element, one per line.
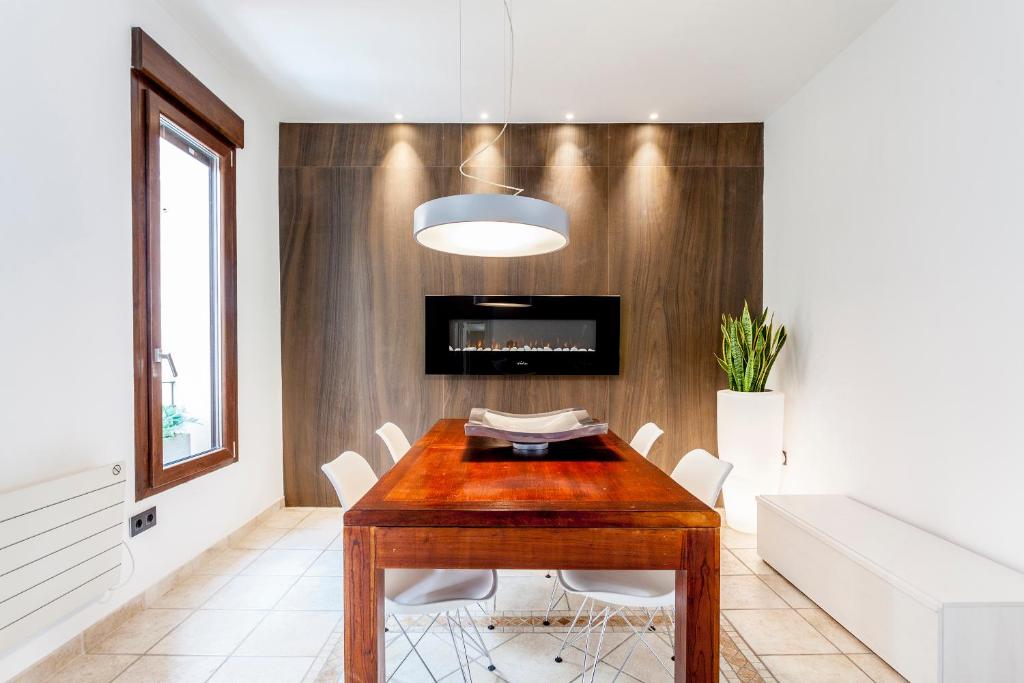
<point>668,216</point>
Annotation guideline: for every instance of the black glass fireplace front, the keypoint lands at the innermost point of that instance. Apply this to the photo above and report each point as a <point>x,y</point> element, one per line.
<point>522,335</point>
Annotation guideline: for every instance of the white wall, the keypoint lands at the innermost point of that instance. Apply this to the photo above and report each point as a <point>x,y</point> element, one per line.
<point>65,277</point>
<point>893,236</point>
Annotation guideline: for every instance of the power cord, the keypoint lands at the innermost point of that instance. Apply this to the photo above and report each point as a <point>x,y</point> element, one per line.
<point>122,584</point>
<point>508,107</point>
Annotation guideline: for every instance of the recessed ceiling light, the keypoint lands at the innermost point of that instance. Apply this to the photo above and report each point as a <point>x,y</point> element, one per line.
<point>398,117</point>
<point>653,116</point>
<point>570,116</point>
<point>484,116</point>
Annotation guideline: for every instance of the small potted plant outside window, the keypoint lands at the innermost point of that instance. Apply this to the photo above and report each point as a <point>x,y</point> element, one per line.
<point>750,416</point>
<point>177,441</point>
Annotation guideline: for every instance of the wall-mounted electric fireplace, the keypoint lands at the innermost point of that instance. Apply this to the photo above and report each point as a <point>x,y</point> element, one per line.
<point>522,335</point>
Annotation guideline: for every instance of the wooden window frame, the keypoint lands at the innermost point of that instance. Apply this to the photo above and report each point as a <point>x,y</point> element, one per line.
<point>162,87</point>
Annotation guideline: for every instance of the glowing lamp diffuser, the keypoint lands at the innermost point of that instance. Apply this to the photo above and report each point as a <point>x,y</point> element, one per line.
<point>491,225</point>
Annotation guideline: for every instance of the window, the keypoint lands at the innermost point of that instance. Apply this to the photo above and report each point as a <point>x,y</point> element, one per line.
<point>183,197</point>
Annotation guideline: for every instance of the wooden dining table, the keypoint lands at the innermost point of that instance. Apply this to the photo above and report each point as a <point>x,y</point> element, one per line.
<point>592,503</point>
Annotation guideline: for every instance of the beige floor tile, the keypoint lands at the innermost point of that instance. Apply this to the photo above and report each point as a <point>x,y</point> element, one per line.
<point>748,592</point>
<point>93,669</point>
<point>749,557</point>
<point>834,631</point>
<point>229,561</point>
<point>250,592</point>
<point>814,669</point>
<point>290,634</point>
<point>530,657</point>
<point>192,592</point>
<point>876,669</point>
<point>642,664</point>
<point>322,519</point>
<point>436,649</point>
<point>737,539</point>
<point>285,518</point>
<point>336,544</point>
<point>262,670</point>
<point>731,564</point>
<point>209,632</point>
<point>281,562</point>
<point>328,564</point>
<point>778,632</point>
<point>307,539</point>
<point>160,669</point>
<point>788,592</point>
<point>529,593</point>
<point>261,537</point>
<point>142,631</point>
<point>321,593</point>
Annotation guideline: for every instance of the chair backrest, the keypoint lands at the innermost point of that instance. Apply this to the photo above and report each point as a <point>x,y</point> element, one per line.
<point>394,438</point>
<point>352,477</point>
<point>702,474</point>
<point>645,438</point>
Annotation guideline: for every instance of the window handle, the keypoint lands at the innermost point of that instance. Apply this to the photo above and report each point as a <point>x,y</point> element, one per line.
<point>159,355</point>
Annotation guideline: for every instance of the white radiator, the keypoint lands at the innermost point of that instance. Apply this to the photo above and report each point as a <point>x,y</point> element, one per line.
<point>60,548</point>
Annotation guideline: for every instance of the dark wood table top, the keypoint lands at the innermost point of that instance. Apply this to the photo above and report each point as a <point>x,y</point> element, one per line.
<point>449,479</point>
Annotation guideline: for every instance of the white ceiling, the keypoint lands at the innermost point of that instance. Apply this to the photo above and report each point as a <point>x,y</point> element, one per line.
<point>603,60</point>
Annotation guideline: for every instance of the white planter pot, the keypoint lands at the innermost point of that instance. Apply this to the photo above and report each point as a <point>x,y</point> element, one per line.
<point>749,437</point>
<point>177,447</point>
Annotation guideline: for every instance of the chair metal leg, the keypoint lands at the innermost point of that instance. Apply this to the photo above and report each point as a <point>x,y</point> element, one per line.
<point>479,643</point>
<point>413,649</point>
<point>459,655</point>
<point>568,639</point>
<point>607,614</point>
<point>639,637</point>
<point>551,602</point>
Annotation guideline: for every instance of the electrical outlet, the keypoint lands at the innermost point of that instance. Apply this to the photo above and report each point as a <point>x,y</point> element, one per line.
<point>143,521</point>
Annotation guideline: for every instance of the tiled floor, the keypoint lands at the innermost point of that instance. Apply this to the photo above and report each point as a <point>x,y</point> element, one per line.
<point>269,610</point>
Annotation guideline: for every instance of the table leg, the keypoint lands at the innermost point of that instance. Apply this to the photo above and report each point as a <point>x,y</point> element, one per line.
<point>364,608</point>
<point>697,608</point>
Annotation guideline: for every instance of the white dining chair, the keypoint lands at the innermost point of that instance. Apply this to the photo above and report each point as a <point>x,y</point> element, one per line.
<point>645,437</point>
<point>394,438</point>
<point>649,592</point>
<point>642,442</point>
<point>440,592</point>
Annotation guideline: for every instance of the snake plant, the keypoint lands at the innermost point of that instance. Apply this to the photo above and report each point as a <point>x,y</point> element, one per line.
<point>749,349</point>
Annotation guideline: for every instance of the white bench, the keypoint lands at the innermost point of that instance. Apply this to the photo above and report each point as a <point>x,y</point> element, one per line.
<point>933,610</point>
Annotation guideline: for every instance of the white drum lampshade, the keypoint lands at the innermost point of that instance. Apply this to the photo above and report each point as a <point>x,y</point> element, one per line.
<point>491,225</point>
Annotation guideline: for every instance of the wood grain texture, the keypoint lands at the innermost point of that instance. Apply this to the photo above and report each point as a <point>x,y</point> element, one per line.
<point>668,216</point>
<point>447,478</point>
<point>160,68</point>
<point>686,144</point>
<point>697,596</point>
<point>489,547</point>
<point>688,247</point>
<point>363,596</point>
<point>150,104</point>
<point>456,501</point>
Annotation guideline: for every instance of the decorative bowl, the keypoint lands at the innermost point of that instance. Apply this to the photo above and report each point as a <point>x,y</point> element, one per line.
<point>531,433</point>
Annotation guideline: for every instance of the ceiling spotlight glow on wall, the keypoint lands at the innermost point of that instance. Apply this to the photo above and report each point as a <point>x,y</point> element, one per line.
<point>653,116</point>
<point>484,116</point>
<point>491,224</point>
<point>398,117</point>
<point>570,116</point>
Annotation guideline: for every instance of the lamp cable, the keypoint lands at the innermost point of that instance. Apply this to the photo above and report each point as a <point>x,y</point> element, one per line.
<point>508,102</point>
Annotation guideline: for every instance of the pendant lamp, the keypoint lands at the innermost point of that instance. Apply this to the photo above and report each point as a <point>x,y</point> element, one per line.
<point>506,225</point>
